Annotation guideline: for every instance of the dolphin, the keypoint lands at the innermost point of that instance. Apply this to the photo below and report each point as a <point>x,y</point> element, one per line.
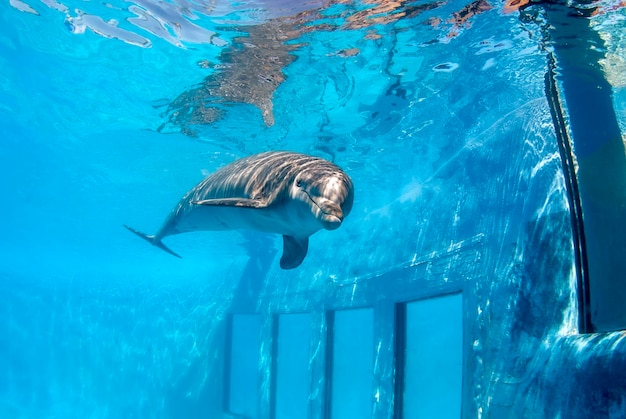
<point>276,192</point>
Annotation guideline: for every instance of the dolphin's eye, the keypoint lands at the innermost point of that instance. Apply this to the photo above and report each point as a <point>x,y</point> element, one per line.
<point>299,183</point>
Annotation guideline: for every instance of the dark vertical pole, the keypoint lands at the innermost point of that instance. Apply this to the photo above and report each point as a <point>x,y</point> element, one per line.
<point>400,361</point>
<point>573,194</point>
<point>601,159</point>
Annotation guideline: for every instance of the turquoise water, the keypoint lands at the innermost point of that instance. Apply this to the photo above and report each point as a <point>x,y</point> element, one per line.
<point>110,112</point>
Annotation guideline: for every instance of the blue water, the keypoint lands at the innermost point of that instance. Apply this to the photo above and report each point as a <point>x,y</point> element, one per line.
<point>110,112</point>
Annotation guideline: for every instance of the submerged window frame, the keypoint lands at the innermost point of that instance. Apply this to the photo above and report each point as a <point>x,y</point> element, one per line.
<point>331,347</point>
<point>401,327</point>
<point>276,336</point>
<point>229,360</point>
<point>452,270</point>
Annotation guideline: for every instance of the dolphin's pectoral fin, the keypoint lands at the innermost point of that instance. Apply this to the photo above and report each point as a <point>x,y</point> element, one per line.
<point>233,202</point>
<point>294,251</point>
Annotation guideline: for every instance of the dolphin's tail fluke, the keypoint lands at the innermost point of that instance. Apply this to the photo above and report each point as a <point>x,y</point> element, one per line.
<point>153,241</point>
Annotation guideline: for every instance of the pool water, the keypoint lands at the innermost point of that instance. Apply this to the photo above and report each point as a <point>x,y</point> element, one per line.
<point>438,111</point>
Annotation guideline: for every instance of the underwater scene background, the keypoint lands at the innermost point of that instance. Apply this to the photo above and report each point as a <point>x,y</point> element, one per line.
<point>449,291</point>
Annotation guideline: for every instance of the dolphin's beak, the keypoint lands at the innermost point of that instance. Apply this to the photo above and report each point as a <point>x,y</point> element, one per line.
<point>331,222</point>
<point>331,215</point>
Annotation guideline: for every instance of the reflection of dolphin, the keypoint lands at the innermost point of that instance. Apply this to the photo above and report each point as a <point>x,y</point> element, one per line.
<point>278,192</point>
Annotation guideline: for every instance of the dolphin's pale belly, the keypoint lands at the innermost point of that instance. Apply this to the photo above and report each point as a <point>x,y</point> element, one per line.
<point>293,219</point>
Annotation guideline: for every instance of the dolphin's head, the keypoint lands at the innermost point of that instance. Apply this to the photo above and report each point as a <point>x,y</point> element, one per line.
<point>329,194</point>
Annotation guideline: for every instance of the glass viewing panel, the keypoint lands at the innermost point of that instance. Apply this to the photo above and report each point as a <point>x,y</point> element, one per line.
<point>433,358</point>
<point>352,363</point>
<point>243,375</point>
<point>293,353</point>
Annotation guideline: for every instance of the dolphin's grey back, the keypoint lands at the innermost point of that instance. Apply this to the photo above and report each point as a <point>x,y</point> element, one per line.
<point>265,176</point>
<point>261,176</point>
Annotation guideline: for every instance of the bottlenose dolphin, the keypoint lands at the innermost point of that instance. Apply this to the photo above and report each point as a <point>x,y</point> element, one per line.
<point>277,192</point>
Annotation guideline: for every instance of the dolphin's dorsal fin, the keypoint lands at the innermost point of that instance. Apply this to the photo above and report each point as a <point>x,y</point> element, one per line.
<point>294,251</point>
<point>233,202</point>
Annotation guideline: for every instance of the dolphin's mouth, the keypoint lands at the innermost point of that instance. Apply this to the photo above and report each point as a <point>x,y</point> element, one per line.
<point>330,222</point>
<point>331,215</point>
